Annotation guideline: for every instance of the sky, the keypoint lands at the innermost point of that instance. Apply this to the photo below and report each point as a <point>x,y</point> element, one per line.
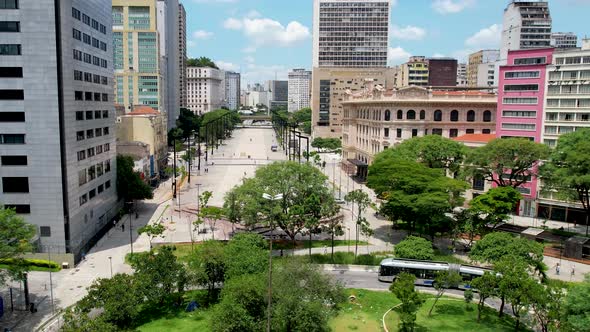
<point>264,39</point>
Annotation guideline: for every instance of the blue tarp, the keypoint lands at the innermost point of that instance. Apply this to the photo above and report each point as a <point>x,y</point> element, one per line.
<point>192,306</point>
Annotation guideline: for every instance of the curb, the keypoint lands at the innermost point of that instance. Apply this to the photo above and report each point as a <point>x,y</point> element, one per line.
<point>355,268</point>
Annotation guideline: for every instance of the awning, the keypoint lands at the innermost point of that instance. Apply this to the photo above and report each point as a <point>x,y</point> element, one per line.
<point>357,162</point>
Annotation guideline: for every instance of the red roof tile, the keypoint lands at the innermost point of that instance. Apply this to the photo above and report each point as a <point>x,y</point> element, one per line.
<point>143,110</point>
<point>479,138</point>
<point>461,93</point>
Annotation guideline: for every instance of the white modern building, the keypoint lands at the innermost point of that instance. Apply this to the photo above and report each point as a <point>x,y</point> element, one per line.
<point>526,24</point>
<point>168,29</point>
<point>462,74</point>
<point>350,33</point>
<point>182,57</point>
<point>57,120</point>
<point>256,98</point>
<point>232,90</point>
<point>279,94</point>
<point>299,89</point>
<point>205,89</point>
<point>564,40</point>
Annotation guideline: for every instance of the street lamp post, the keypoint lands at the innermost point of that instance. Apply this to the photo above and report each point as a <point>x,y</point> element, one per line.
<point>270,198</point>
<point>130,227</point>
<point>111,264</point>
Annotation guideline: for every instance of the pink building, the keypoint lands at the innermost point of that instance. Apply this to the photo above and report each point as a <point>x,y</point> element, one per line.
<point>521,95</point>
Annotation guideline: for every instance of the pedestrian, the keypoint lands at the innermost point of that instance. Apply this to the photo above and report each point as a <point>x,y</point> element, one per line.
<point>573,270</point>
<point>557,269</point>
<point>136,215</point>
<point>325,250</point>
<point>122,227</point>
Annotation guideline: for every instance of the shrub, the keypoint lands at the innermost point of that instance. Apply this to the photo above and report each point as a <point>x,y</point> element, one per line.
<point>31,262</point>
<point>413,247</point>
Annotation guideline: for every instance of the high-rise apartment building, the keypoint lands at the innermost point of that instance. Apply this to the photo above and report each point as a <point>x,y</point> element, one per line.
<point>462,75</point>
<point>299,89</point>
<point>205,89</point>
<point>232,90</point>
<point>564,40</point>
<point>57,120</point>
<point>442,72</point>
<point>182,57</point>
<point>526,24</point>
<point>414,72</point>
<point>350,33</point>
<point>167,23</point>
<point>478,68</point>
<point>138,80</point>
<point>279,93</point>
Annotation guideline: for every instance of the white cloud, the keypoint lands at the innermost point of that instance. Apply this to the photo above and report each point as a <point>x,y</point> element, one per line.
<point>462,56</point>
<point>451,6</point>
<point>398,55</point>
<point>249,59</point>
<point>261,73</point>
<point>408,32</point>
<point>393,3</point>
<point>438,55</point>
<point>202,34</point>
<point>227,65</point>
<point>191,43</point>
<point>253,14</point>
<point>232,24</point>
<point>486,38</point>
<point>249,49</point>
<point>266,31</point>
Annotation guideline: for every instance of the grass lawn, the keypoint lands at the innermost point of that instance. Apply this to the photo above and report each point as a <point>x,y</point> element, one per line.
<point>35,268</point>
<point>364,314</point>
<point>176,319</point>
<point>453,315</point>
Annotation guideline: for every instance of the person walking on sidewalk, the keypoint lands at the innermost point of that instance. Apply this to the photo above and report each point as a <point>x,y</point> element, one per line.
<point>557,269</point>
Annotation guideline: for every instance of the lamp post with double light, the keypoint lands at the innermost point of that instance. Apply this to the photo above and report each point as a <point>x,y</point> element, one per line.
<point>272,199</point>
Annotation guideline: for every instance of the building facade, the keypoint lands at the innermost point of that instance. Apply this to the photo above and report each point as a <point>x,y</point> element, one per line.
<point>478,67</point>
<point>232,90</point>
<point>377,119</point>
<point>168,30</point>
<point>462,75</point>
<point>57,119</point>
<point>182,57</point>
<point>350,33</point>
<point>299,93</point>
<point>138,80</point>
<point>526,25</point>
<point>442,72</point>
<point>564,40</point>
<point>521,96</point>
<point>329,85</point>
<point>205,92</point>
<point>279,94</point>
<point>414,72</point>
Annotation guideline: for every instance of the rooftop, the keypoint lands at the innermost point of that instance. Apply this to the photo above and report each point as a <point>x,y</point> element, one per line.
<point>143,110</point>
<point>475,138</point>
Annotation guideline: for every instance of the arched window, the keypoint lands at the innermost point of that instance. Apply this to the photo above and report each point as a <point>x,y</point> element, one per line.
<point>454,115</point>
<point>387,115</point>
<point>487,116</point>
<point>438,115</point>
<point>400,114</point>
<point>471,116</point>
<point>411,115</point>
<point>422,115</point>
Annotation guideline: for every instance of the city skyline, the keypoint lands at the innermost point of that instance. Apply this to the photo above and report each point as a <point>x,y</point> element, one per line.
<point>266,43</point>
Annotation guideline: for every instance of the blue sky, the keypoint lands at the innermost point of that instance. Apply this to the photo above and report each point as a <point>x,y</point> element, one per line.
<point>262,37</point>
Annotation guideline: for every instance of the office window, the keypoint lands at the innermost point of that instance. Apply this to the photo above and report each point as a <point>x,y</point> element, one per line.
<point>104,80</point>
<point>86,19</point>
<point>45,231</point>
<point>411,115</point>
<point>519,126</point>
<point>82,178</point>
<point>77,55</point>
<point>530,61</point>
<point>8,4</point>
<point>95,43</point>
<point>83,199</point>
<point>78,75</point>
<point>103,63</point>
<point>470,131</point>
<point>95,24</point>
<point>11,71</point>
<point>96,96</point>
<point>14,160</point>
<point>88,96</point>
<point>422,115</point>
<point>105,131</point>
<point>487,116</point>
<point>437,131</point>
<point>438,115</point>
<point>15,185</point>
<point>75,13</point>
<point>87,77</point>
<point>96,79</point>
<point>86,39</point>
<point>12,94</point>
<point>103,29</point>
<point>399,133</point>
<point>453,133</point>
<point>486,131</point>
<point>105,97</point>
<point>92,194</point>
<point>80,135</point>
<point>100,188</point>
<point>12,116</point>
<point>521,87</point>
<point>519,114</point>
<point>77,34</point>
<point>90,152</point>
<point>19,208</point>
<point>107,165</point>
<point>107,147</point>
<point>97,114</point>
<point>10,49</point>
<point>98,132</point>
<point>107,184</point>
<point>400,114</point>
<point>99,170</point>
<point>91,173</point>
<point>89,133</point>
<point>521,74</point>
<point>12,138</point>
<point>454,116</point>
<point>89,115</point>
<point>103,46</point>
<point>81,155</point>
<point>105,114</point>
<point>7,26</point>
<point>78,95</point>
<point>99,149</point>
<point>414,132</point>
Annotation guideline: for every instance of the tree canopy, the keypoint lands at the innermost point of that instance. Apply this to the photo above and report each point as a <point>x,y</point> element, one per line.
<point>494,206</point>
<point>433,151</point>
<point>327,144</point>
<point>15,240</point>
<point>576,307</point>
<point>414,247</point>
<point>129,184</point>
<point>201,62</point>
<point>508,162</point>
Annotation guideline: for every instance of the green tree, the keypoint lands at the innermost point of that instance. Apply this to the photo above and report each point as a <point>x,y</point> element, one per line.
<point>152,231</point>
<point>129,185</point>
<point>508,162</point>
<point>411,300</point>
<point>495,205</point>
<point>495,246</point>
<point>175,135</point>
<point>443,281</point>
<point>231,208</point>
<point>15,240</point>
<point>362,201</point>
<point>567,173</point>
<point>546,304</point>
<point>207,266</point>
<point>201,62</point>
<point>414,247</point>
<point>295,182</point>
<point>327,144</point>
<point>303,115</point>
<point>74,320</point>
<point>420,196</point>
<point>468,297</point>
<point>486,286</point>
<point>158,275</point>
<point>245,253</point>
<point>576,307</point>
<point>187,122</point>
<point>513,285</point>
<point>433,151</point>
<point>119,299</point>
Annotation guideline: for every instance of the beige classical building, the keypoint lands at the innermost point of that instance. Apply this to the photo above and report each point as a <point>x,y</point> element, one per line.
<point>377,119</point>
<point>147,126</point>
<point>330,85</point>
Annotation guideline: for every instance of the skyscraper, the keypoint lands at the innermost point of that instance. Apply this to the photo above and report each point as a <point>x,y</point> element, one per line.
<point>564,40</point>
<point>350,33</point>
<point>526,25</point>
<point>182,54</point>
<point>57,119</point>
<point>478,68</point>
<point>299,89</point>
<point>167,23</point>
<point>279,92</point>
<point>232,90</point>
<point>136,49</point>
